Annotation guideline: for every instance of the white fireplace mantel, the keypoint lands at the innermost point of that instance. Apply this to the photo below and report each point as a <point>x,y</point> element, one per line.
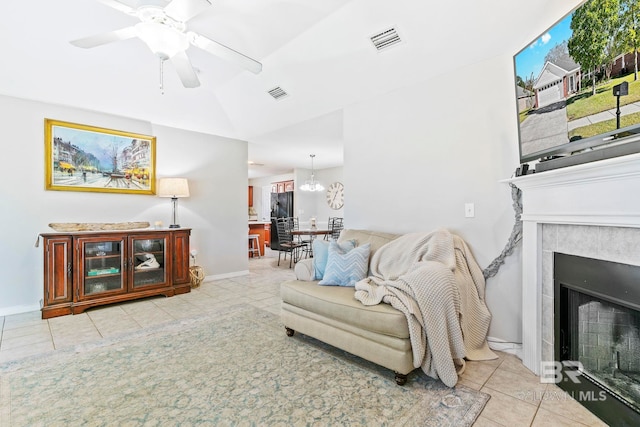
<point>602,193</point>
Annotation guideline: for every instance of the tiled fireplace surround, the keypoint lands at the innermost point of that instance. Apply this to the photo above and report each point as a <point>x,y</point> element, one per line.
<point>619,244</point>
<point>591,210</point>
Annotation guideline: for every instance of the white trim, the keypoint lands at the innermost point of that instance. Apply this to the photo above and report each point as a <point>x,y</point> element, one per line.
<point>506,347</point>
<point>226,275</point>
<point>531,296</point>
<point>18,309</point>
<point>600,193</point>
<point>598,170</point>
<point>616,219</point>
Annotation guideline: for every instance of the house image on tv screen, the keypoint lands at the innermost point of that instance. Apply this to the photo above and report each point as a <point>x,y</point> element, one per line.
<point>557,81</point>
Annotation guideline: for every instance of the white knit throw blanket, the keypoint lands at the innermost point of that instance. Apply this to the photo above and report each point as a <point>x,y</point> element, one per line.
<point>435,281</point>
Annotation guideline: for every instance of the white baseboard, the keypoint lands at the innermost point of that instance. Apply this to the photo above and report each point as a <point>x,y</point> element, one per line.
<point>18,309</point>
<point>226,275</point>
<point>504,346</point>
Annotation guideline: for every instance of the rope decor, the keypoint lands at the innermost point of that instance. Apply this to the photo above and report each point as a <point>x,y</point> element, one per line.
<point>514,239</point>
<point>196,275</point>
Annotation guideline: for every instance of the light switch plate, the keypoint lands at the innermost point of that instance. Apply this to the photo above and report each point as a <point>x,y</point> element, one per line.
<point>469,210</point>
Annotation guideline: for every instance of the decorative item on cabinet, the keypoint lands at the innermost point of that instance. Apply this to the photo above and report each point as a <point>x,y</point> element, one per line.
<point>174,188</point>
<point>87,269</point>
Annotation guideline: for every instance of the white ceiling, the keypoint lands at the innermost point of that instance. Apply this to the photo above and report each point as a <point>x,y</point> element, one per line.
<point>318,51</point>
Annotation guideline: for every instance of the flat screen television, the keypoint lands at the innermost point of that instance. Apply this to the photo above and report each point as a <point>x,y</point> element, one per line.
<point>577,86</point>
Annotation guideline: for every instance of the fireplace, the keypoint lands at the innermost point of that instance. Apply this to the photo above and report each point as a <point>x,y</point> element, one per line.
<point>587,211</point>
<point>597,335</point>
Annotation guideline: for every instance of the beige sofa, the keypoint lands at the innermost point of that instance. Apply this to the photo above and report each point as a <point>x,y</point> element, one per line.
<point>331,314</point>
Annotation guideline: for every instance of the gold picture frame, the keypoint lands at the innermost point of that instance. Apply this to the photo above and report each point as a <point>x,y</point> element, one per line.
<point>88,158</point>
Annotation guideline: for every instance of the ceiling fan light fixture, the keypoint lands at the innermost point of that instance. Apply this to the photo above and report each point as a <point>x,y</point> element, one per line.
<point>163,28</point>
<point>163,40</point>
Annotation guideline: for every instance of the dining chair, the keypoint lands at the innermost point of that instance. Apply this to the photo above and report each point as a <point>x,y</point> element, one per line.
<point>295,225</point>
<point>329,227</point>
<point>286,243</point>
<point>335,226</point>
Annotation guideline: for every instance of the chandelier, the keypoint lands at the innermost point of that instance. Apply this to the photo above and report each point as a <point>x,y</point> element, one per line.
<point>311,184</point>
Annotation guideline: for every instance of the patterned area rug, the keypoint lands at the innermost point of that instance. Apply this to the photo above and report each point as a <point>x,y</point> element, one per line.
<point>236,367</point>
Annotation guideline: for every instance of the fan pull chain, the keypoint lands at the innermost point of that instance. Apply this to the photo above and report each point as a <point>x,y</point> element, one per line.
<point>161,76</point>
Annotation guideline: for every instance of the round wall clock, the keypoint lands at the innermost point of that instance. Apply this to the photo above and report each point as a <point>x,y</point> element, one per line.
<point>335,195</point>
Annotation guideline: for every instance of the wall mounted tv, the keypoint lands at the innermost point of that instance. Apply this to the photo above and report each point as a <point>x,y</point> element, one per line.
<point>578,87</point>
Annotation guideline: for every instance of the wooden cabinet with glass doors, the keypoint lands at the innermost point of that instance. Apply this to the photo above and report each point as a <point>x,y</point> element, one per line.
<point>83,270</point>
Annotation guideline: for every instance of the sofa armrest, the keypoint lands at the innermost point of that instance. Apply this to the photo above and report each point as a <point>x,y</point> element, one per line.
<point>304,270</point>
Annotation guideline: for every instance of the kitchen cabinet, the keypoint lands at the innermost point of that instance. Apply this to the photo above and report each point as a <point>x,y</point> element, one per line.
<point>87,269</point>
<point>263,230</point>
<point>282,186</point>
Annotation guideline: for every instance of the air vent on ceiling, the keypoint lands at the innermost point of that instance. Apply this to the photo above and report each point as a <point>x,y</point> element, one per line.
<point>277,92</point>
<point>386,39</point>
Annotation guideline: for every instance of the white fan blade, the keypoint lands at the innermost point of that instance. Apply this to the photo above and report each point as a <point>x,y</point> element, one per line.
<point>183,10</point>
<point>185,70</point>
<point>224,52</point>
<point>119,6</point>
<point>104,38</point>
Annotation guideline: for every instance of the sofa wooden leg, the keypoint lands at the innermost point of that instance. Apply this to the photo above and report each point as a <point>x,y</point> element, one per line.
<point>289,331</point>
<point>401,379</point>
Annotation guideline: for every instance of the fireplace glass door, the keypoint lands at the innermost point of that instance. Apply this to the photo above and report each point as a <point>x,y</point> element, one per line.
<point>606,340</point>
<point>597,335</point>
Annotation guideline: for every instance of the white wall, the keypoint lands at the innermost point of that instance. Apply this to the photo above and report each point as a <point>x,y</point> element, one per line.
<point>415,156</point>
<point>314,204</point>
<point>216,211</point>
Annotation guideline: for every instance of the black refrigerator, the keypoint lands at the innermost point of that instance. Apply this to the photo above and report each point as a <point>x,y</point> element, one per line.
<point>282,204</point>
<point>281,207</point>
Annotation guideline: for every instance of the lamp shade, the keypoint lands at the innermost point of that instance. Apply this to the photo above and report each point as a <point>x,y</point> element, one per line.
<point>163,40</point>
<point>173,187</point>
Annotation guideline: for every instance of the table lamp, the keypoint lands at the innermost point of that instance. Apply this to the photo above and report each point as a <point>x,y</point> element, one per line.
<point>174,188</point>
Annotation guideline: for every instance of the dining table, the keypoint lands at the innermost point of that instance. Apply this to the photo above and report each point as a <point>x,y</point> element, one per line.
<point>312,233</point>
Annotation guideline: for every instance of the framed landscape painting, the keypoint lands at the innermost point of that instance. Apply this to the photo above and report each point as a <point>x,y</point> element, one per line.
<point>87,158</point>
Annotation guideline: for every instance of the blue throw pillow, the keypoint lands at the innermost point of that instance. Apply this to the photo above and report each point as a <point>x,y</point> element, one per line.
<point>321,252</point>
<point>345,268</point>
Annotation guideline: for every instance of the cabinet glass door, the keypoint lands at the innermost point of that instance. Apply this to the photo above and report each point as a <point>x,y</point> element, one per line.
<point>149,261</point>
<point>103,266</point>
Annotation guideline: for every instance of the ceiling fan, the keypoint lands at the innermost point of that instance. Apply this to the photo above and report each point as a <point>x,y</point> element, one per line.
<point>164,30</point>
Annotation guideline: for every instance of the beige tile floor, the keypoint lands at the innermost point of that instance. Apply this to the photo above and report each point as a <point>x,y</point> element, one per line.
<point>517,396</point>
